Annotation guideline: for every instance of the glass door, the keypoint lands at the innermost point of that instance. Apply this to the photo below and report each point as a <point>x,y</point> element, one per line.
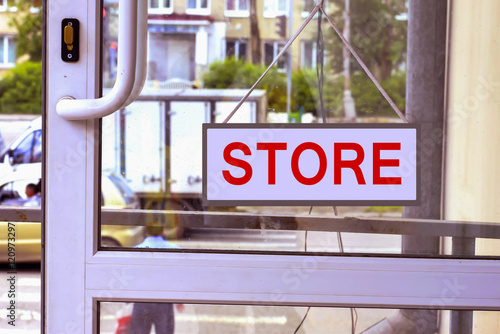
<point>127,233</point>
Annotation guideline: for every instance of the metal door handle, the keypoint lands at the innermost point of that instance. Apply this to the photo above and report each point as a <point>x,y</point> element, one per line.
<point>142,54</point>
<point>131,67</point>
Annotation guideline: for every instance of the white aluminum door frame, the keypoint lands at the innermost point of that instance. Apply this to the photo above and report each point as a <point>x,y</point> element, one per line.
<point>77,275</point>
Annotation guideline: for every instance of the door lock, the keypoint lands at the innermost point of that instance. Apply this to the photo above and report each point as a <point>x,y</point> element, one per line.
<point>70,40</point>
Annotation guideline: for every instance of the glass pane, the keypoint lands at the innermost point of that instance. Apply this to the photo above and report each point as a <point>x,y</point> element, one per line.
<point>242,55</point>
<point>281,5</point>
<point>243,4</point>
<point>2,48</point>
<point>283,60</point>
<point>230,49</point>
<point>268,5</point>
<point>202,318</point>
<point>268,53</point>
<point>12,51</point>
<point>307,53</point>
<point>153,4</point>
<point>204,4</point>
<point>37,147</point>
<point>230,5</point>
<point>152,149</point>
<point>24,151</point>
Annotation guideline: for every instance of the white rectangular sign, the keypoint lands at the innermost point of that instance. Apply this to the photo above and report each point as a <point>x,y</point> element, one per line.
<point>310,164</point>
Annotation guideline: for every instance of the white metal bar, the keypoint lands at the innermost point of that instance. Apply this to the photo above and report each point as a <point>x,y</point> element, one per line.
<point>80,109</point>
<point>69,149</point>
<point>296,280</point>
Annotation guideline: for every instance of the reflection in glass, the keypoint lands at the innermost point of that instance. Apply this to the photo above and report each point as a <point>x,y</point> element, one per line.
<point>243,4</point>
<point>2,48</point>
<point>230,5</point>
<point>151,150</point>
<point>204,318</point>
<point>11,58</point>
<point>200,318</point>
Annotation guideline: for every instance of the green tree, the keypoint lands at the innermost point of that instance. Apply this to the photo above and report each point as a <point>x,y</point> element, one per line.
<point>21,89</point>
<point>370,102</point>
<point>232,73</point>
<point>29,26</point>
<point>305,92</point>
<point>377,35</point>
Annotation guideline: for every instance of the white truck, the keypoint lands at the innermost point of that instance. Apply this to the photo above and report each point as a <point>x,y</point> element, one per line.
<point>156,142</point>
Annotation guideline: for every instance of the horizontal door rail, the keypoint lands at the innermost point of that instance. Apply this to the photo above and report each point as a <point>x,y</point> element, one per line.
<point>202,95</point>
<point>237,220</point>
<point>20,214</point>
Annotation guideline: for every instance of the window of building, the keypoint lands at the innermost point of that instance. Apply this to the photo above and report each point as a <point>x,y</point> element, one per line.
<point>7,51</point>
<point>308,6</point>
<point>273,8</point>
<point>160,6</point>
<point>271,51</point>
<point>237,8</point>
<point>237,49</point>
<point>198,7</point>
<point>4,6</point>
<point>308,54</point>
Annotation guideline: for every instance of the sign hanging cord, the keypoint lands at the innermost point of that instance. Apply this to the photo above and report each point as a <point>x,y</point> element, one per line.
<point>320,10</point>
<point>365,68</point>
<point>285,48</point>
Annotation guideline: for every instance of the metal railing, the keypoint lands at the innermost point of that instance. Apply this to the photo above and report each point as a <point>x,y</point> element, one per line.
<point>238,220</point>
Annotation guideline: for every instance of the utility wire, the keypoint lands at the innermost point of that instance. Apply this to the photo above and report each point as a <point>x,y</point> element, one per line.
<point>303,319</point>
<point>309,308</point>
<point>354,313</point>
<point>285,48</point>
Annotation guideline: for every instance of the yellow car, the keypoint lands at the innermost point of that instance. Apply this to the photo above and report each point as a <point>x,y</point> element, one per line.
<point>26,237</point>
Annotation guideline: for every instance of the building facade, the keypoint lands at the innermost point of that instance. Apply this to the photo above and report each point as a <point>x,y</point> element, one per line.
<point>7,43</point>
<point>186,36</point>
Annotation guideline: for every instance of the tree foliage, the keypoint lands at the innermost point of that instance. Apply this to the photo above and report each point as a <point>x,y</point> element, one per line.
<point>232,73</point>
<point>21,89</point>
<point>370,102</point>
<point>29,26</point>
<point>377,35</point>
